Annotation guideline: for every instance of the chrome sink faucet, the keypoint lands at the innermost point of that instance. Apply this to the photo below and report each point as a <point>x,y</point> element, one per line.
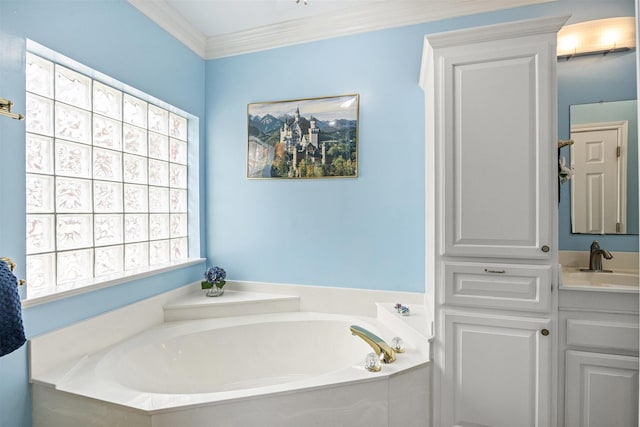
<point>595,258</point>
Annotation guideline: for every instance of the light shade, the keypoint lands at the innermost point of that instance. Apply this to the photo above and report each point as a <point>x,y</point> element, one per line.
<point>601,36</point>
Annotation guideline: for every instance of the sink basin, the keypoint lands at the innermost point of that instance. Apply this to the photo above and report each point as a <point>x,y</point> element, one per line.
<point>600,280</point>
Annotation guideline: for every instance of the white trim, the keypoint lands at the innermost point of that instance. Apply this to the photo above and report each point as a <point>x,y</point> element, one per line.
<point>497,32</point>
<point>164,15</point>
<point>118,279</point>
<point>372,17</point>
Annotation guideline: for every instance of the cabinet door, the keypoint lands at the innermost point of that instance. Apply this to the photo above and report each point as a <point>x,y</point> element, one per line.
<point>496,372</point>
<point>601,390</point>
<point>498,139</point>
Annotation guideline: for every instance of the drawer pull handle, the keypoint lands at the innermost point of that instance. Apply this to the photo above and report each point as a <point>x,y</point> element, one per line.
<point>545,249</point>
<point>544,332</point>
<point>486,270</point>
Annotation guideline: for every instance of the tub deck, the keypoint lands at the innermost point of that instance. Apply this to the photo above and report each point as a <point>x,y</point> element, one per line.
<point>348,395</point>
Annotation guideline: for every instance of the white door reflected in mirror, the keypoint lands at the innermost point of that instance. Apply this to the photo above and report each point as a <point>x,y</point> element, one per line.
<point>604,162</point>
<point>599,185</point>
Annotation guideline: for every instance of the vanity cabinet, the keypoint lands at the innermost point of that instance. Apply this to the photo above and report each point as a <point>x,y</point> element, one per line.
<point>491,222</point>
<point>599,341</point>
<point>602,390</point>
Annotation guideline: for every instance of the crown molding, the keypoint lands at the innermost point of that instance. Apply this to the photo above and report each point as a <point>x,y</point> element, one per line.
<point>497,31</point>
<point>160,12</point>
<point>351,21</point>
<point>355,20</point>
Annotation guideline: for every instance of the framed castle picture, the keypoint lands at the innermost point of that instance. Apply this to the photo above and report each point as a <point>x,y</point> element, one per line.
<point>303,138</point>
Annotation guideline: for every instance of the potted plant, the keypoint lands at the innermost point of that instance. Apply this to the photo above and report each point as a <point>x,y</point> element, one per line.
<point>214,281</point>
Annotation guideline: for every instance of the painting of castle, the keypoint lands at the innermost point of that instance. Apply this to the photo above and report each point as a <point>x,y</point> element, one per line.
<point>303,138</point>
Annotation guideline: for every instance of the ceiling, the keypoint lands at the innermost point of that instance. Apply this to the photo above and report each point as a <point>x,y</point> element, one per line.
<point>218,28</point>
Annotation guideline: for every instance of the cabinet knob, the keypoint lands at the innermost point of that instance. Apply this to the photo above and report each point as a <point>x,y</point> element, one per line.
<point>545,248</point>
<point>544,332</point>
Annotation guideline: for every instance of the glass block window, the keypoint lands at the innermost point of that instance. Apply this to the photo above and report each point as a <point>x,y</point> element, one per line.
<point>106,184</point>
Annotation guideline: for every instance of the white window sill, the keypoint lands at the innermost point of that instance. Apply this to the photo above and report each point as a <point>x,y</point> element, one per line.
<point>107,281</point>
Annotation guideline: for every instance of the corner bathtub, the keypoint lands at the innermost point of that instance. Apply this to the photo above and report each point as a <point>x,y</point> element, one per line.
<point>284,369</point>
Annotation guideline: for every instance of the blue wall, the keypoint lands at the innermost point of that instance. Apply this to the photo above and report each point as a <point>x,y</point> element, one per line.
<point>363,233</point>
<point>117,40</point>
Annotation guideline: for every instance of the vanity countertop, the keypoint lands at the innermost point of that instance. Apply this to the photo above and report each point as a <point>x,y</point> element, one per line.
<point>620,280</point>
<point>577,294</point>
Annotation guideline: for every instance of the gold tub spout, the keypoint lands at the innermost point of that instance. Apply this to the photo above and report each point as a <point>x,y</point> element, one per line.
<point>376,343</point>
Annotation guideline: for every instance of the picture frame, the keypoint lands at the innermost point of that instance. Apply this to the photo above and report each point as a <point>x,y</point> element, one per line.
<point>303,138</point>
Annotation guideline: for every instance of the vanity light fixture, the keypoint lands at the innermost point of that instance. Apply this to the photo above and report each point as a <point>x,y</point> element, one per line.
<point>601,36</point>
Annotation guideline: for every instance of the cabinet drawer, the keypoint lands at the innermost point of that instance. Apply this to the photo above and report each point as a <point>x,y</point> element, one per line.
<point>599,334</point>
<point>499,286</point>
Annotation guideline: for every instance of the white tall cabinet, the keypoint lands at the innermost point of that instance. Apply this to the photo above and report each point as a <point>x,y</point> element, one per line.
<point>491,167</point>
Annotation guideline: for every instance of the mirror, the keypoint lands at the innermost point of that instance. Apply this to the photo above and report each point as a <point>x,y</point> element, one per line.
<point>604,159</point>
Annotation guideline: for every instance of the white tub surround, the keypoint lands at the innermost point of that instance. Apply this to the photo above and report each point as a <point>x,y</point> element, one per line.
<point>414,328</point>
<point>194,305</point>
<point>63,347</point>
<point>397,400</point>
<point>68,344</point>
<point>182,365</point>
<point>360,302</point>
<point>246,368</point>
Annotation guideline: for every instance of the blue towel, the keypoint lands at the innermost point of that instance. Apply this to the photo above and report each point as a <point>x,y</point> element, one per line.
<point>11,328</point>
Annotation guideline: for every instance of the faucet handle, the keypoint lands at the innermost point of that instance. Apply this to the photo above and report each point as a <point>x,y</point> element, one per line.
<point>372,363</point>
<point>397,344</point>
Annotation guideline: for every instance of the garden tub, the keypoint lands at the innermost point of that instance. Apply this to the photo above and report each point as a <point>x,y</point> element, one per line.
<point>282,369</point>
